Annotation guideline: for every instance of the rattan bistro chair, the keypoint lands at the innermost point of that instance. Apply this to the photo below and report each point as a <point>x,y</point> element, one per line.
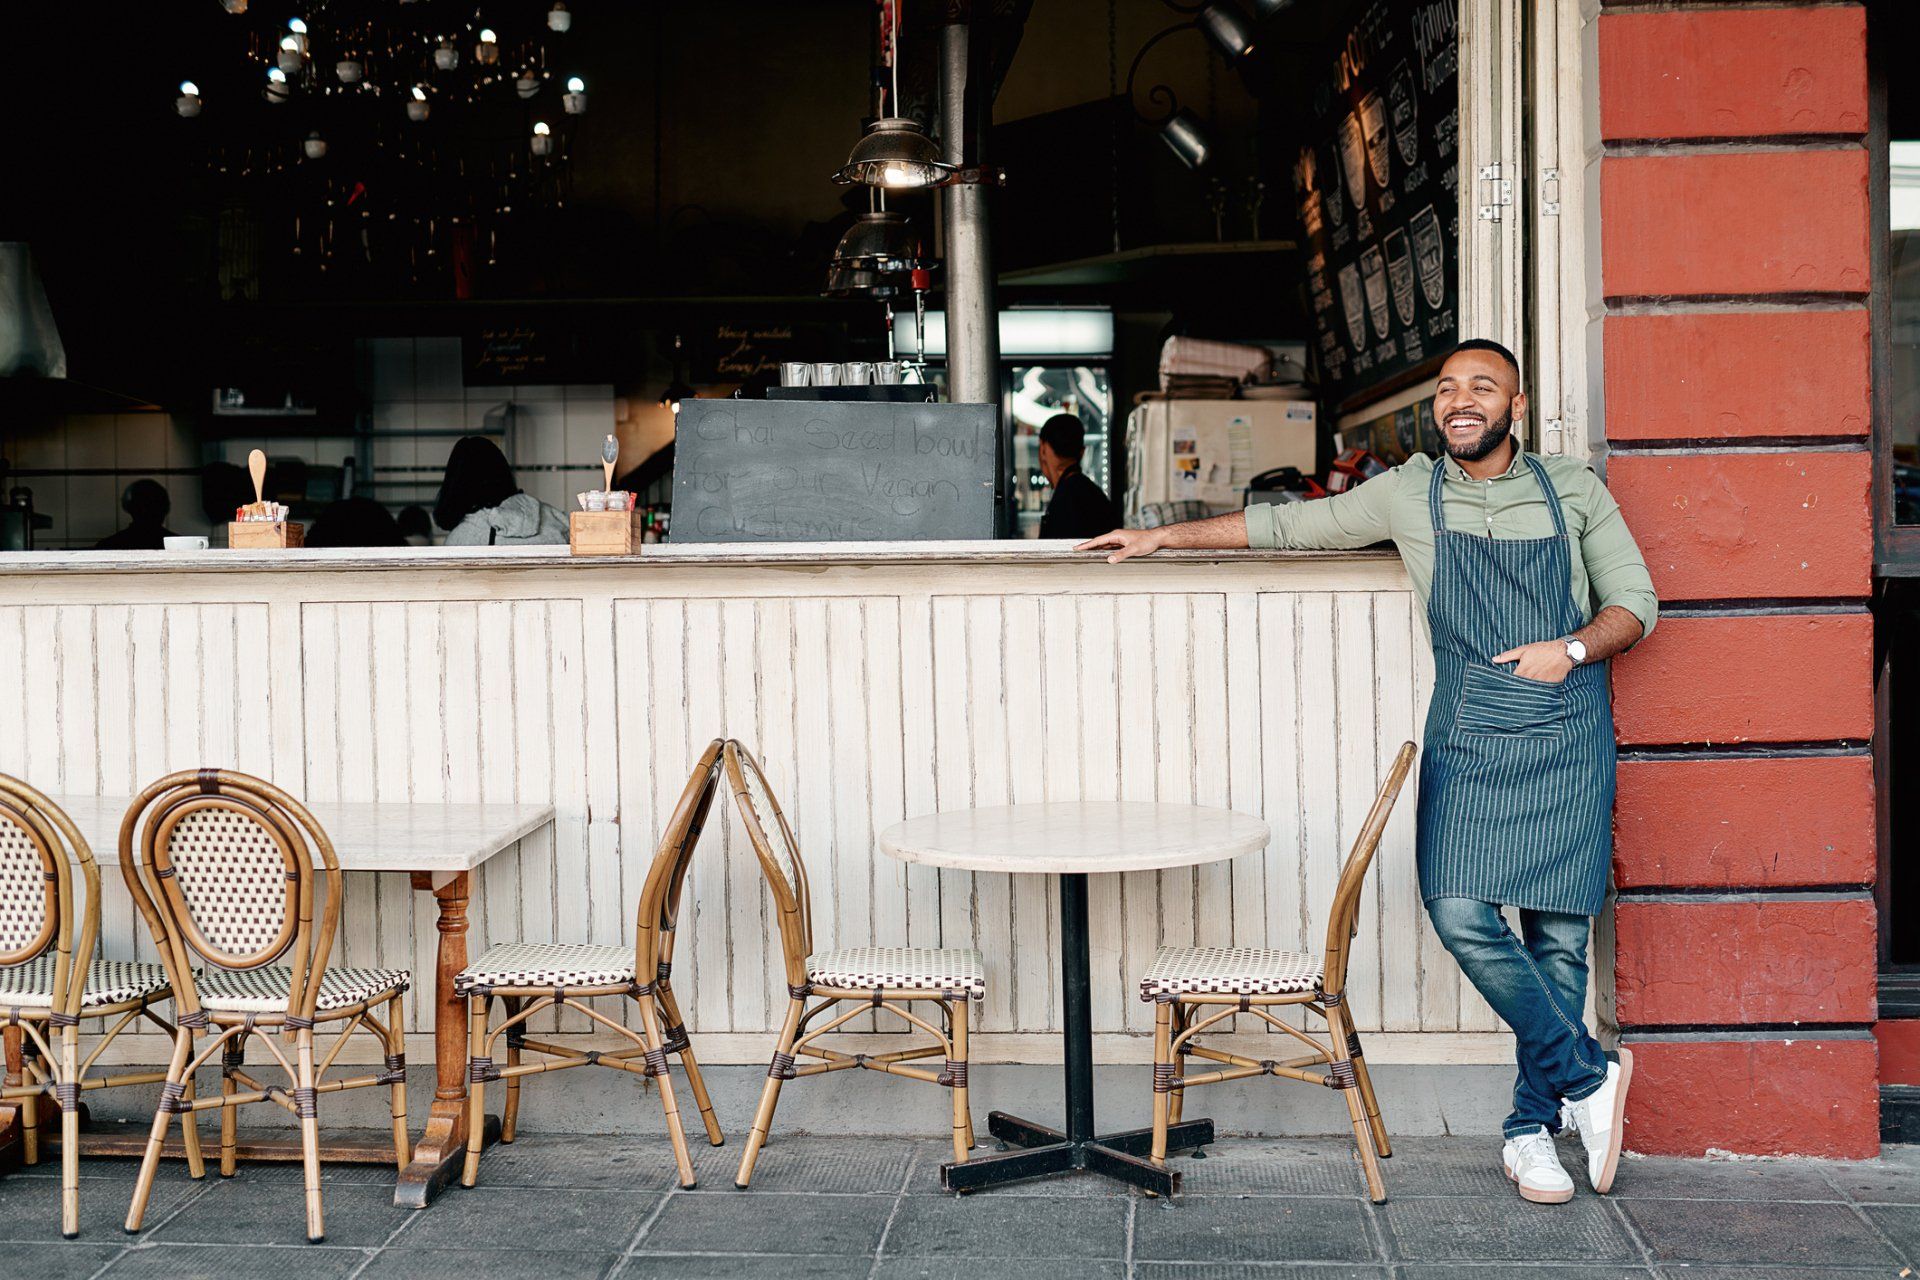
<point>49,979</point>
<point>228,862</point>
<point>1194,988</point>
<point>877,977</point>
<point>530,977</point>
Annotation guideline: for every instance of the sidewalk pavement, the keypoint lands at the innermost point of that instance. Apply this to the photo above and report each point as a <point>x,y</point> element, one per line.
<point>556,1207</point>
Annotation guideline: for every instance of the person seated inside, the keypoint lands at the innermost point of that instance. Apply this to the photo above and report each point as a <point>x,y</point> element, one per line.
<point>355,522</point>
<point>1078,508</point>
<point>481,506</point>
<point>146,504</point>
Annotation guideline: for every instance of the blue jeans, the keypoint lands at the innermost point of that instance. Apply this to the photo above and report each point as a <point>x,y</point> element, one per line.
<point>1538,986</point>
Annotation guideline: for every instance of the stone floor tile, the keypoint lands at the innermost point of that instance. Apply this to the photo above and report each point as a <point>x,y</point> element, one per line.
<point>30,1208</point>
<point>743,1222</point>
<point>1901,1223</point>
<point>514,1217</point>
<point>830,1166</point>
<point>736,1266</point>
<point>1258,1271</point>
<point>1000,1269</point>
<point>1506,1228</point>
<point>1734,1232</point>
<point>1670,1178</point>
<point>488,1264</point>
<point>1253,1228</point>
<point>1892,1179</point>
<point>58,1259</point>
<point>238,1212</point>
<point>231,1262</point>
<point>639,1163</point>
<point>1763,1272</point>
<point>1456,1168</point>
<point>1027,1227</point>
<point>1521,1271</point>
<point>1275,1166</point>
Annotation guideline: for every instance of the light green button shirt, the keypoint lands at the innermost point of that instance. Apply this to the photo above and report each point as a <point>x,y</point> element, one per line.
<point>1607,565</point>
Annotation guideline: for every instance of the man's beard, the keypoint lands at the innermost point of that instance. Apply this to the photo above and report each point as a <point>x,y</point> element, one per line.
<point>1491,438</point>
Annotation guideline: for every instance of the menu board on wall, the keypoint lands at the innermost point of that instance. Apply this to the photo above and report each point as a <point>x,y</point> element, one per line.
<point>1376,185</point>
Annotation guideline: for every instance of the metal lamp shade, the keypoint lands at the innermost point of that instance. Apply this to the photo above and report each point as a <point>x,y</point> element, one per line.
<point>864,282</point>
<point>1228,28</point>
<point>1187,138</point>
<point>897,153</point>
<point>882,240</point>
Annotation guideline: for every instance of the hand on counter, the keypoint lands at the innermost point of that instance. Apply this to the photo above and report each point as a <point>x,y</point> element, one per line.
<point>1125,543</point>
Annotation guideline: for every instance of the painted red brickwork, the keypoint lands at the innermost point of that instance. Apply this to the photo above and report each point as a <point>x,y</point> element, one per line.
<point>1734,223</point>
<point>1733,73</point>
<point>1705,824</point>
<point>1899,1050</point>
<point>1761,1097</point>
<point>1732,526</point>
<point>1735,679</point>
<point>1717,375</point>
<point>1721,963</point>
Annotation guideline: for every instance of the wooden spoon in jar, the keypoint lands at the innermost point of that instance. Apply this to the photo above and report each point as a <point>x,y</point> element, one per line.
<point>609,454</point>
<point>257,467</point>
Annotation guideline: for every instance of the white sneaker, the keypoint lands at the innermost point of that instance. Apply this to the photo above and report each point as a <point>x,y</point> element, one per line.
<point>1598,1119</point>
<point>1534,1166</point>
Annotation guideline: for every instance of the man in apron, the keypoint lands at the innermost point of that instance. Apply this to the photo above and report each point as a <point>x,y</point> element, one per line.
<point>1531,582</point>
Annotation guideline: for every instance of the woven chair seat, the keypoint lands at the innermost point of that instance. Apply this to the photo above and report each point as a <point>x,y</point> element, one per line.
<point>1233,971</point>
<point>267,989</point>
<point>547,964</point>
<point>900,969</point>
<point>30,985</point>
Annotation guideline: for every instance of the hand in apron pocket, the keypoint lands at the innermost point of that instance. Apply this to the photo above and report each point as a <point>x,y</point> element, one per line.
<point>1495,701</point>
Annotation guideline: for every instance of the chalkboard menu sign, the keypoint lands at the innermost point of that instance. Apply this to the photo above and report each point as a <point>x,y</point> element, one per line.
<point>1376,185</point>
<point>794,471</point>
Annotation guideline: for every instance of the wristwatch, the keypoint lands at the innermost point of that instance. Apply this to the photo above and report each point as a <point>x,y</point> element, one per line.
<point>1576,651</point>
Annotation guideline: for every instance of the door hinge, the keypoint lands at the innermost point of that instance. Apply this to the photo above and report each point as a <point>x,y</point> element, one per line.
<point>1550,193</point>
<point>1496,193</point>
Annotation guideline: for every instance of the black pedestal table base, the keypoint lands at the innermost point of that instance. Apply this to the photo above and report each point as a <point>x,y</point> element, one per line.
<point>1045,1150</point>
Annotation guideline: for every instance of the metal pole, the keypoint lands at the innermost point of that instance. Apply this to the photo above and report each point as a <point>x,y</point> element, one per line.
<point>1076,1006</point>
<point>973,330</point>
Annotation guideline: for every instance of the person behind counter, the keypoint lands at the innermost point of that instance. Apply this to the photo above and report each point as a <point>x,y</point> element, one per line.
<point>1078,508</point>
<point>481,506</point>
<point>1531,581</point>
<point>147,505</point>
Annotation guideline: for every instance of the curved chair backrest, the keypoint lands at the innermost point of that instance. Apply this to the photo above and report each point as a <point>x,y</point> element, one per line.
<point>229,860</point>
<point>660,896</point>
<point>779,855</point>
<point>1343,921</point>
<point>38,846</point>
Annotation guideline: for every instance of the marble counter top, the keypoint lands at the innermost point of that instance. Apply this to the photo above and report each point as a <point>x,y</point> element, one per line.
<point>1068,838</point>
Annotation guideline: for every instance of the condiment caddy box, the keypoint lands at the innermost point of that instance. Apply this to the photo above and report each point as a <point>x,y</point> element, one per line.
<point>605,533</point>
<point>259,535</point>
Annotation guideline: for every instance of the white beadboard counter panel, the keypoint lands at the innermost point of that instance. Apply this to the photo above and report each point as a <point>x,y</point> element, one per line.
<point>877,683</point>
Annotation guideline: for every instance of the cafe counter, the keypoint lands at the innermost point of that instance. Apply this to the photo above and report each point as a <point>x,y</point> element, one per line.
<point>876,681</point>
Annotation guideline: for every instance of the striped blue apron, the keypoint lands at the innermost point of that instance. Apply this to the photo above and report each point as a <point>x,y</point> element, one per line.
<point>1516,783</point>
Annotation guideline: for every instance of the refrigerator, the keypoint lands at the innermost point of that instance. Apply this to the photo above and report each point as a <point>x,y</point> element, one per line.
<point>1202,454</point>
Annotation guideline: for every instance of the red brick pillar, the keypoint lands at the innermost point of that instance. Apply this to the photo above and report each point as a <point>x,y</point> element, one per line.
<point>1734,236</point>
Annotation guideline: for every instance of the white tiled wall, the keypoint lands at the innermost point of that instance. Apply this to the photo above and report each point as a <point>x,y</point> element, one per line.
<point>128,446</point>
<point>415,386</point>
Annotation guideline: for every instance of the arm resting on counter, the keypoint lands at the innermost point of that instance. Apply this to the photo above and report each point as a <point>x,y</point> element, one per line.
<point>1357,518</point>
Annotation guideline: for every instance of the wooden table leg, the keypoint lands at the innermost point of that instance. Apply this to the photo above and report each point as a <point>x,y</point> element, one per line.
<point>12,1151</point>
<point>443,1144</point>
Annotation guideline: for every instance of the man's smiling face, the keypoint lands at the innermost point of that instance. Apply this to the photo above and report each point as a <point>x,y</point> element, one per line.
<point>1475,403</point>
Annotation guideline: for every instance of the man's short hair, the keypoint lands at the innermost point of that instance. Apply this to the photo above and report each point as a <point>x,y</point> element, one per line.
<point>1063,434</point>
<point>1488,344</point>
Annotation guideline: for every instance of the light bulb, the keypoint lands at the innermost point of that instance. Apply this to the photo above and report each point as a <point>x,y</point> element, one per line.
<point>540,129</point>
<point>576,85</point>
<point>899,175</point>
<point>296,26</point>
<point>487,36</point>
<point>189,88</point>
<point>419,94</point>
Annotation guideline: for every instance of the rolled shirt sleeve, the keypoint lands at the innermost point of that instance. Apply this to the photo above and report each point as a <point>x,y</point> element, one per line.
<point>1359,517</point>
<point>1616,571</point>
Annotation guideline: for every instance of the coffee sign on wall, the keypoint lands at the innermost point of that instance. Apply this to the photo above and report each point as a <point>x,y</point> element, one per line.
<point>1376,188</point>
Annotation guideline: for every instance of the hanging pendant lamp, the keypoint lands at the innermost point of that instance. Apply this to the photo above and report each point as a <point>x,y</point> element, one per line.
<point>895,152</point>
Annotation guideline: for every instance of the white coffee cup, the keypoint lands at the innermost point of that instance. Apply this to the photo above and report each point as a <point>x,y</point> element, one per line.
<point>185,542</point>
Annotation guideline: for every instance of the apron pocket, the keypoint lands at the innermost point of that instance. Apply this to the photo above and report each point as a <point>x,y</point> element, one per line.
<point>1494,701</point>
